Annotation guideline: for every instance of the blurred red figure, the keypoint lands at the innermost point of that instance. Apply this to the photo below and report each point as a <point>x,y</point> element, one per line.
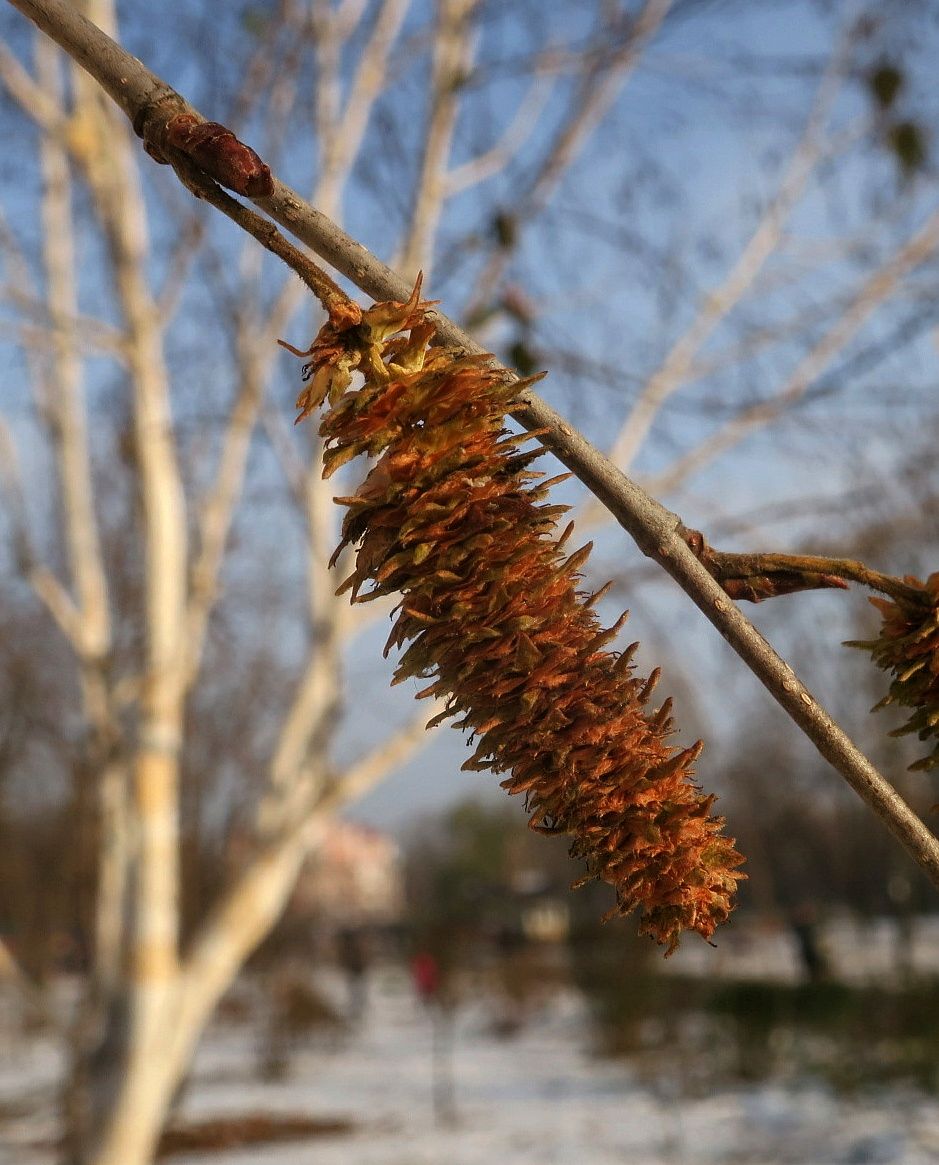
<point>425,971</point>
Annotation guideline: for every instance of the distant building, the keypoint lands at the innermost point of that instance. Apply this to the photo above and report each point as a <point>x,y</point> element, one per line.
<point>354,878</point>
<point>546,920</point>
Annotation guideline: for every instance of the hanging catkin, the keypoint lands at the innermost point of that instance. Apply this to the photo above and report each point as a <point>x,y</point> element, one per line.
<point>452,518</point>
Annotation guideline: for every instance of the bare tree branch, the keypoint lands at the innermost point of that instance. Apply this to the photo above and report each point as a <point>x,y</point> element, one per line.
<point>597,89</point>
<point>363,774</point>
<point>29,94</point>
<point>70,433</point>
<point>254,901</point>
<point>313,715</point>
<point>489,163</point>
<point>875,289</point>
<point>677,365</point>
<point>70,423</point>
<point>150,937</point>
<point>44,582</point>
<point>454,45</point>
<point>339,148</point>
<point>91,335</point>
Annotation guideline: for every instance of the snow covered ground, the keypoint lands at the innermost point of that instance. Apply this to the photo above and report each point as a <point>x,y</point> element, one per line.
<point>535,1098</point>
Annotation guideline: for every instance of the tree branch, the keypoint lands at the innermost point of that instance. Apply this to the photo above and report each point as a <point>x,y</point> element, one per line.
<point>247,910</point>
<point>654,529</point>
<point>597,89</point>
<point>759,576</point>
<point>869,295</point>
<point>675,368</point>
<point>29,94</point>
<point>453,50</point>
<point>489,163</point>
<point>46,585</point>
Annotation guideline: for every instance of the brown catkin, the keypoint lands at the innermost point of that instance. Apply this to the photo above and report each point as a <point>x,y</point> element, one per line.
<point>908,648</point>
<point>453,519</point>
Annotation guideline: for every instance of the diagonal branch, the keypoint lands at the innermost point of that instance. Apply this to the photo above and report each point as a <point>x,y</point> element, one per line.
<point>47,586</point>
<point>597,90</point>
<point>653,528</point>
<point>246,912</point>
<point>29,95</point>
<point>454,44</point>
<point>342,140</point>
<point>872,292</point>
<point>363,774</point>
<point>674,371</point>
<point>489,163</point>
<point>296,773</point>
<point>340,146</point>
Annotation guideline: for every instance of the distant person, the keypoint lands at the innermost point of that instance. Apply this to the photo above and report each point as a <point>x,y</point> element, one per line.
<point>354,963</point>
<point>804,925</point>
<point>425,973</point>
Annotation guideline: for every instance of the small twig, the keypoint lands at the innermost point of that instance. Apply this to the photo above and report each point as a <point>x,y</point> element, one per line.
<point>327,291</point>
<point>758,576</point>
<point>44,582</point>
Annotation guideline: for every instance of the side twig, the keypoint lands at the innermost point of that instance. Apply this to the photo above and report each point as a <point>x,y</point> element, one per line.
<point>327,291</point>
<point>760,576</point>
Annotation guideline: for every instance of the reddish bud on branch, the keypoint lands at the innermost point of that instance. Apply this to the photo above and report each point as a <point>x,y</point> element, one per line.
<point>215,150</point>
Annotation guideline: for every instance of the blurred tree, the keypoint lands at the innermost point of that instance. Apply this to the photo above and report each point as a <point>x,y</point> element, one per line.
<point>468,869</point>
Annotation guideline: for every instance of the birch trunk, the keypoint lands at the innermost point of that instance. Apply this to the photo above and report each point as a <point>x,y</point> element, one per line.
<point>136,1012</point>
<point>231,933</point>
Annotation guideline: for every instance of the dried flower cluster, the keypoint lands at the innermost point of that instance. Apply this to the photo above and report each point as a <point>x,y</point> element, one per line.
<point>908,647</point>
<point>452,518</point>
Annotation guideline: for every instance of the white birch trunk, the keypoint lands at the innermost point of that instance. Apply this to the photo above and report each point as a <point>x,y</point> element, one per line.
<point>138,1010</point>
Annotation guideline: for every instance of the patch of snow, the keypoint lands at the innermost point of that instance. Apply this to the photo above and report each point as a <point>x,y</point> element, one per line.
<point>537,1098</point>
